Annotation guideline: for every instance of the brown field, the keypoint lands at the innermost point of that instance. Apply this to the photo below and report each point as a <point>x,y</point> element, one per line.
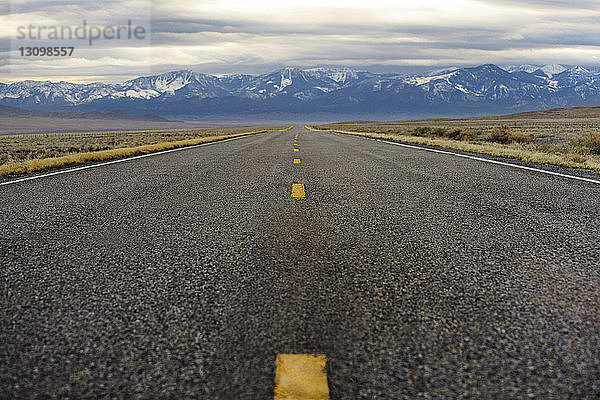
<point>11,125</point>
<point>565,137</point>
<point>36,152</point>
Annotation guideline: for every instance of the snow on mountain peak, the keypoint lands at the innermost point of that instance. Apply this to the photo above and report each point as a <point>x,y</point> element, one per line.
<point>553,69</point>
<point>579,70</point>
<point>422,80</point>
<point>529,68</point>
<point>339,75</point>
<point>286,79</point>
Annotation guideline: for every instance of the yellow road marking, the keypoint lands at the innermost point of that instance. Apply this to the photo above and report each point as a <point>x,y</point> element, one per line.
<point>298,191</point>
<point>301,376</point>
<point>296,150</point>
<point>297,161</point>
<point>295,144</point>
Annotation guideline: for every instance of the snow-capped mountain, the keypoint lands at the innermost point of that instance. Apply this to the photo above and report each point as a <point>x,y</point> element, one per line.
<point>286,82</point>
<point>553,69</point>
<point>522,68</point>
<point>303,84</point>
<point>186,83</point>
<point>548,70</point>
<point>452,91</point>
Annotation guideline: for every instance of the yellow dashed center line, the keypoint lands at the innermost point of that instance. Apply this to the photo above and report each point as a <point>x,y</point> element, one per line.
<point>297,161</point>
<point>298,191</point>
<point>301,376</point>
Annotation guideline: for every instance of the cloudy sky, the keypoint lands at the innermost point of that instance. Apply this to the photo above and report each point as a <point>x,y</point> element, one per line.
<point>235,36</point>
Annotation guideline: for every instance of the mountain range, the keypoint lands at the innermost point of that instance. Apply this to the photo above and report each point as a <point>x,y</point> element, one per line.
<point>326,92</point>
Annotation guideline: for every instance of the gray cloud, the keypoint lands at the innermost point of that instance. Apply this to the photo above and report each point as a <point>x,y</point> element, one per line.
<point>549,4</point>
<point>234,36</point>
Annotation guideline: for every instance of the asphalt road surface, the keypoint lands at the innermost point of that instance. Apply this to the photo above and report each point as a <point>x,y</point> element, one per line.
<point>184,275</point>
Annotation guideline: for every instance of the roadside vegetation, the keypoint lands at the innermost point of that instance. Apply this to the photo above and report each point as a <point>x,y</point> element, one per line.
<point>569,142</point>
<point>21,154</point>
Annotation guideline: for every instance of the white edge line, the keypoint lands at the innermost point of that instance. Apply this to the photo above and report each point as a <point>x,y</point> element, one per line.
<point>477,158</point>
<point>66,171</point>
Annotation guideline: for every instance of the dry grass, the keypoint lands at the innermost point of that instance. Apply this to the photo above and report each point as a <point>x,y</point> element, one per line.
<point>551,154</point>
<point>30,153</point>
<point>567,137</point>
<point>557,125</point>
<point>590,142</point>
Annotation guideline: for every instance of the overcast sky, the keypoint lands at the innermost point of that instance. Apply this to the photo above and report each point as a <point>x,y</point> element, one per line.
<point>254,36</point>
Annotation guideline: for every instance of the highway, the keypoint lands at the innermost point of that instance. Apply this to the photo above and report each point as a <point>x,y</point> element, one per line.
<point>411,274</point>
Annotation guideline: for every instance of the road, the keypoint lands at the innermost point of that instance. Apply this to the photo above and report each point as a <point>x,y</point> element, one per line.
<point>416,274</point>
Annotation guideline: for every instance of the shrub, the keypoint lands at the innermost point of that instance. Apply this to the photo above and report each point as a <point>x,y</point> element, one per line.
<point>428,131</point>
<point>460,134</point>
<point>505,135</point>
<point>454,134</point>
<point>439,132</point>
<point>590,142</point>
<point>422,131</point>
